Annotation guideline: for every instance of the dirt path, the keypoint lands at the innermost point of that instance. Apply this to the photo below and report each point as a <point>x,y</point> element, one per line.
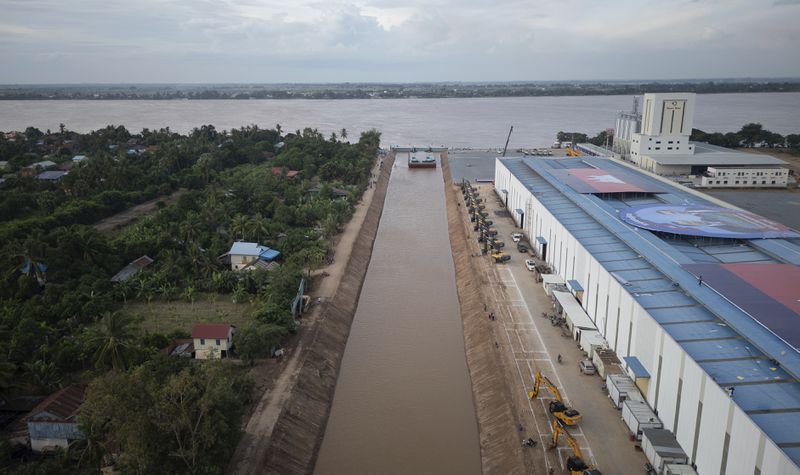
<point>251,453</point>
<point>130,215</point>
<point>491,373</point>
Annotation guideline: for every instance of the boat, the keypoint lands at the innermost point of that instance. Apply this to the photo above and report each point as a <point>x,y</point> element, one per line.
<point>427,162</point>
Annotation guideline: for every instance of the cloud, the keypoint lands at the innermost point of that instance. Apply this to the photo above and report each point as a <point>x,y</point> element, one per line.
<point>393,40</point>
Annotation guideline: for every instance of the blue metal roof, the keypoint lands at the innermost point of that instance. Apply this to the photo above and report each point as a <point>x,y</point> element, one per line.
<point>728,343</point>
<point>636,366</point>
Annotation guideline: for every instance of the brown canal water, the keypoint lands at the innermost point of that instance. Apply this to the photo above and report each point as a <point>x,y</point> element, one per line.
<point>403,402</point>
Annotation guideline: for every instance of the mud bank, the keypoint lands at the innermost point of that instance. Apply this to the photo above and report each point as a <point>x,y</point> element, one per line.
<point>301,425</point>
<point>491,390</point>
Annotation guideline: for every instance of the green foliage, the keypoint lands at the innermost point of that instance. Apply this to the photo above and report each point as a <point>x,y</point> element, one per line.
<point>167,416</point>
<point>257,340</point>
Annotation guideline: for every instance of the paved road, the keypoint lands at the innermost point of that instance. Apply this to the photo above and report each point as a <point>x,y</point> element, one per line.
<point>782,206</point>
<point>535,343</point>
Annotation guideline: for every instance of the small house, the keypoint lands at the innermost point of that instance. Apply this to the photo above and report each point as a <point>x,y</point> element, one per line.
<point>54,422</point>
<point>280,171</point>
<point>250,255</point>
<point>180,348</point>
<point>78,158</point>
<point>212,340</point>
<point>132,269</point>
<point>52,175</point>
<point>43,165</point>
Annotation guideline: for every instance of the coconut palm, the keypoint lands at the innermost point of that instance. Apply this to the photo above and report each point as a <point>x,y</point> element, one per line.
<point>114,340</point>
<point>239,225</point>
<point>258,227</point>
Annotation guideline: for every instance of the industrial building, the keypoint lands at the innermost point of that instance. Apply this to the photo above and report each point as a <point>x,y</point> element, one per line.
<point>657,140</point>
<point>700,302</point>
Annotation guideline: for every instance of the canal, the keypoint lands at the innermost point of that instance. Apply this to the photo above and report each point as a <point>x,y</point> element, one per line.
<point>403,402</point>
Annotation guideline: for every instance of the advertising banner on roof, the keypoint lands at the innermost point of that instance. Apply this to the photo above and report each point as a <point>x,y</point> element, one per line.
<point>598,180</point>
<point>705,221</point>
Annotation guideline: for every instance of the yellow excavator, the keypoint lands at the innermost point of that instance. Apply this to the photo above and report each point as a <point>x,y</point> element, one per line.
<point>575,463</point>
<point>571,152</point>
<point>567,415</point>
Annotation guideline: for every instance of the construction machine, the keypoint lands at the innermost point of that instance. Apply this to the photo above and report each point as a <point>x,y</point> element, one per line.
<point>557,407</point>
<point>575,462</point>
<point>500,257</point>
<point>571,152</point>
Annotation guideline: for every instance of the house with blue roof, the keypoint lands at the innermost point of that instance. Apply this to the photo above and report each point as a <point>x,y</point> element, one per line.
<point>252,255</point>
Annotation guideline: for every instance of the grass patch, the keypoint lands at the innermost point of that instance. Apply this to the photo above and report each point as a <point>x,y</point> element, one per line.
<point>161,316</point>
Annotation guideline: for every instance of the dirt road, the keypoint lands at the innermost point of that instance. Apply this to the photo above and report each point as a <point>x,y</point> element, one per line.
<point>130,215</point>
<point>251,456</point>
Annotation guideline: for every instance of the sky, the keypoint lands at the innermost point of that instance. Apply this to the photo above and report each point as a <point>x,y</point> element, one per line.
<point>313,41</point>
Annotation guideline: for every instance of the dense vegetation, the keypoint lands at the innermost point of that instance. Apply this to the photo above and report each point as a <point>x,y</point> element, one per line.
<point>386,90</point>
<point>750,135</point>
<point>64,321</point>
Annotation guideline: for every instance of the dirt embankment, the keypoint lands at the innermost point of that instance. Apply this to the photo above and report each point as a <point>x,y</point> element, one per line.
<point>298,433</point>
<point>488,371</point>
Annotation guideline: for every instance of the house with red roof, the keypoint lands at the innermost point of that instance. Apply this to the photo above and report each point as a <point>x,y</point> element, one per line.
<point>54,422</point>
<point>281,171</point>
<point>212,340</point>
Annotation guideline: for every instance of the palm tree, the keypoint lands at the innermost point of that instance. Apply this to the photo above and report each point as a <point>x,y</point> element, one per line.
<point>258,226</point>
<point>343,134</point>
<point>114,340</point>
<point>239,225</point>
<point>90,243</point>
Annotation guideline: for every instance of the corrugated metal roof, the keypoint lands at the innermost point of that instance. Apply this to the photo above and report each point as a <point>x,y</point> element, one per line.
<point>693,315</point>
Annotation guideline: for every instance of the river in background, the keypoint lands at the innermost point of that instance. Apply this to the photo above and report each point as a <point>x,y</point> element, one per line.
<point>403,401</point>
<point>477,123</point>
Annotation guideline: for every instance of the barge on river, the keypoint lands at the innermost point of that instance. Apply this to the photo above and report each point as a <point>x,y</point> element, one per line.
<point>415,161</point>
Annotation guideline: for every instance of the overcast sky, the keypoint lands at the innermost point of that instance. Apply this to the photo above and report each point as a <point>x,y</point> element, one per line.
<point>107,41</point>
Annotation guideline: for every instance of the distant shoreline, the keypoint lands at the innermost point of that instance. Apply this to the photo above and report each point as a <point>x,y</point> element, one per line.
<point>379,91</point>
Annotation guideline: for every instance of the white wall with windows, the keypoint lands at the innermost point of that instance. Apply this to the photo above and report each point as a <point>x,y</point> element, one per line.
<point>742,177</point>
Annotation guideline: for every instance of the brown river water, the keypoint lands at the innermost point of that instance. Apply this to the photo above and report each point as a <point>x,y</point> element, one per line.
<point>403,402</point>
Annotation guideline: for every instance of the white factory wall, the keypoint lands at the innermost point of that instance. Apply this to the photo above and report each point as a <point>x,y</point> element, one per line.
<point>625,317</point>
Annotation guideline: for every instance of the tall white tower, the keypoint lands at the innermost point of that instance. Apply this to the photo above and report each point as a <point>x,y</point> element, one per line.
<point>667,120</point>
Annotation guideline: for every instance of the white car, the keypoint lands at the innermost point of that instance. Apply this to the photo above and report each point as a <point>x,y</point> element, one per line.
<point>516,237</point>
<point>530,264</point>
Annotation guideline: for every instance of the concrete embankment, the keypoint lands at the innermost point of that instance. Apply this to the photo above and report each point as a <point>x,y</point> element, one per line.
<point>301,425</point>
<point>491,390</point>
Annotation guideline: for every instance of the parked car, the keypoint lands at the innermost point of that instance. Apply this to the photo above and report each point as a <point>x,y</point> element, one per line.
<point>522,247</point>
<point>530,264</point>
<point>517,237</point>
<point>587,367</point>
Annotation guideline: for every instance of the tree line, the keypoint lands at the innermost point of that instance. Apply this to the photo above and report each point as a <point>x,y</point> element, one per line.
<point>64,321</point>
<point>385,90</point>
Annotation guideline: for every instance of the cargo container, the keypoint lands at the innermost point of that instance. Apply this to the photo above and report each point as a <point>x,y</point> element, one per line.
<point>675,469</point>
<point>638,416</point>
<point>662,449</point>
<point>621,387</point>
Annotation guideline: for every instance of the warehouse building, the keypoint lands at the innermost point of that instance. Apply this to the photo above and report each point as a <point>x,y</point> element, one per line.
<point>701,302</point>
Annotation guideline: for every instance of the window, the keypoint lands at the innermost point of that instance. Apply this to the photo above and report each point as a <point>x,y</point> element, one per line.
<point>658,142</point>
<point>658,148</point>
<point>649,148</point>
<point>773,182</point>
<point>202,341</point>
<point>763,182</point>
<point>737,182</point>
<point>217,341</point>
<point>670,141</point>
<point>669,148</point>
